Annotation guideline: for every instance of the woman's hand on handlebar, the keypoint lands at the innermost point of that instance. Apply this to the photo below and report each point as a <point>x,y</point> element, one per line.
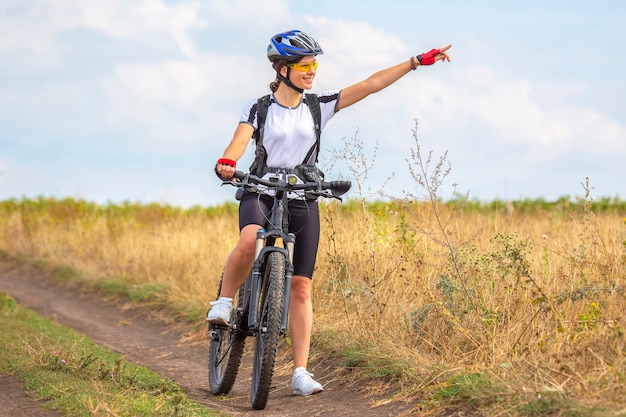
<point>225,168</point>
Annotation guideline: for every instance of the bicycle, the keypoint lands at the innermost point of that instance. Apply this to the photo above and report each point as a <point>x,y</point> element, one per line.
<point>262,302</point>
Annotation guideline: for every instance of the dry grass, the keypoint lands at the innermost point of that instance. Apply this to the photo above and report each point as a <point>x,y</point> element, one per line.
<point>516,300</point>
<point>532,301</point>
<point>514,309</point>
<point>175,252</point>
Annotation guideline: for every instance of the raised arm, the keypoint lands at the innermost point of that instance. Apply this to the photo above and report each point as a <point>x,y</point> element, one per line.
<point>388,76</point>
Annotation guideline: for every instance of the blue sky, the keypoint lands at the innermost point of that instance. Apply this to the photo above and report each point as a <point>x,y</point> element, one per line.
<point>114,100</point>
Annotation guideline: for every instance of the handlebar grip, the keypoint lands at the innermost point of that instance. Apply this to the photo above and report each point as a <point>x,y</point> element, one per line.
<point>339,187</point>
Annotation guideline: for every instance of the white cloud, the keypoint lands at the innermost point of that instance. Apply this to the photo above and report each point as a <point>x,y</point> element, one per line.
<point>353,50</point>
<point>518,111</point>
<point>121,19</point>
<point>176,82</point>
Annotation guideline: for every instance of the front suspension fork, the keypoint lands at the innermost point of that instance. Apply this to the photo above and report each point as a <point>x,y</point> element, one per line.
<point>257,279</point>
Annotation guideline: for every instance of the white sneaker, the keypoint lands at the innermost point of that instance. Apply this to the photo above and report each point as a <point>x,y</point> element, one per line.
<point>303,384</point>
<point>219,313</point>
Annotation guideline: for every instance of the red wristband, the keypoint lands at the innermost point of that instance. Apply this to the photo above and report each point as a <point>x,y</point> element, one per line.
<point>226,161</point>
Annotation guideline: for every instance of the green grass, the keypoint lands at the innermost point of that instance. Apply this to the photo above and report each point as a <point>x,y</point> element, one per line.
<point>77,377</point>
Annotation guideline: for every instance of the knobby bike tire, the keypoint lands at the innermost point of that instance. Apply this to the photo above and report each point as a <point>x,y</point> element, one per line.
<point>226,348</point>
<point>267,338</point>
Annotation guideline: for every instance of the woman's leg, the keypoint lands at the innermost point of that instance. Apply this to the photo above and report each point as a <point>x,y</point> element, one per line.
<point>253,211</point>
<point>239,261</point>
<point>301,325</point>
<point>305,224</point>
<point>300,319</point>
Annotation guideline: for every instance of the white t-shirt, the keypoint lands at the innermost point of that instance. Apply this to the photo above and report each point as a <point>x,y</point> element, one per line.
<point>289,132</point>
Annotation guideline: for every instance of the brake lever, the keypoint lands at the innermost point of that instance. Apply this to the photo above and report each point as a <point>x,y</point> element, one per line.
<point>312,195</point>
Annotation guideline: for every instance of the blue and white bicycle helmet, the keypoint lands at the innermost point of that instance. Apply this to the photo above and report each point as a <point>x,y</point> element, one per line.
<point>292,45</point>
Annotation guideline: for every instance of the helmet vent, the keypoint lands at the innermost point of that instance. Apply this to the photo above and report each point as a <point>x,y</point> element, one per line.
<point>292,45</point>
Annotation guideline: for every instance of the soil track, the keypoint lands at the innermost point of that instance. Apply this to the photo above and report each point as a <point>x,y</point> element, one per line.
<point>164,348</point>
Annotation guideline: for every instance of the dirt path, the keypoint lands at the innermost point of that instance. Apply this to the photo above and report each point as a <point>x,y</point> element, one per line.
<point>163,348</point>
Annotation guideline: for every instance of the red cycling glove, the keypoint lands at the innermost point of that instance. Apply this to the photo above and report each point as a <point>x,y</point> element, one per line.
<point>226,161</point>
<point>428,58</point>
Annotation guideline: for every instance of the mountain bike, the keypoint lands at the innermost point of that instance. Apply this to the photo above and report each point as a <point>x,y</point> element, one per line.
<point>262,302</point>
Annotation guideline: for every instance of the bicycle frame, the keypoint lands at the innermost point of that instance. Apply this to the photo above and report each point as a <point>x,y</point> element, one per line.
<point>266,243</point>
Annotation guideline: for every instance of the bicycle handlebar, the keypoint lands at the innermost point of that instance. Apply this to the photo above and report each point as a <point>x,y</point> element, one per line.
<point>331,189</point>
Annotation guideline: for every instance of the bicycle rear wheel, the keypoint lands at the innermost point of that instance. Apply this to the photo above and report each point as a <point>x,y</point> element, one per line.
<point>267,337</point>
<point>226,347</point>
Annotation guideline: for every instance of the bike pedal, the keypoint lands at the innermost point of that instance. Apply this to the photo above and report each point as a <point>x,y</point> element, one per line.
<point>214,327</point>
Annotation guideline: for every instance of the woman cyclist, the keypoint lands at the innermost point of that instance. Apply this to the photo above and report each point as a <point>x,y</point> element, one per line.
<point>288,136</point>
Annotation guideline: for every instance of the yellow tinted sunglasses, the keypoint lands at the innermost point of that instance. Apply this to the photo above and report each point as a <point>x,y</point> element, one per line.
<point>303,66</point>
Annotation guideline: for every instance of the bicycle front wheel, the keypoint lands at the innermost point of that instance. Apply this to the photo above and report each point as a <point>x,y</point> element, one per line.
<point>268,335</point>
<point>226,347</point>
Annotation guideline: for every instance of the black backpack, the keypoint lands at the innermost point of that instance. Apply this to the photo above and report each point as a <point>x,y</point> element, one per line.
<point>259,166</point>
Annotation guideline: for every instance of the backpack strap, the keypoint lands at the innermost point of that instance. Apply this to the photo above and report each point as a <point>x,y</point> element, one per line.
<point>314,106</point>
<point>262,105</point>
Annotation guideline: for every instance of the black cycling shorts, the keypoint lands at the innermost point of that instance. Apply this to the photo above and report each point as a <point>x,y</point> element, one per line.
<point>304,222</point>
